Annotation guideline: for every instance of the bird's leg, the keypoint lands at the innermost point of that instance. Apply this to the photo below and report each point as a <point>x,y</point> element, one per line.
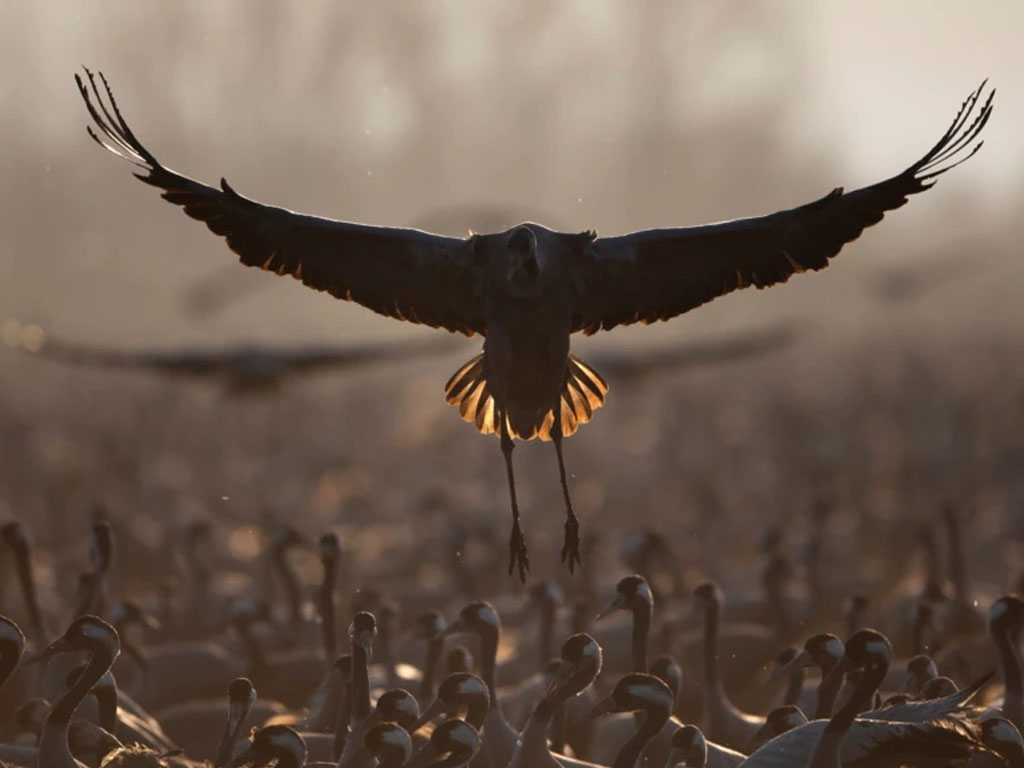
<point>571,545</point>
<point>517,555</point>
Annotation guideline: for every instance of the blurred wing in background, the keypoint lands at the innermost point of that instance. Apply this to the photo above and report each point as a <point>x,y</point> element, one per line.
<point>180,362</point>
<point>317,358</point>
<point>622,367</point>
<point>243,366</point>
<point>401,273</point>
<point>657,274</point>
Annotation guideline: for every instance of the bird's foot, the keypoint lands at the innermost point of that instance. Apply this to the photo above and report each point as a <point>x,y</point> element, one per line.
<point>517,555</point>
<point>571,545</point>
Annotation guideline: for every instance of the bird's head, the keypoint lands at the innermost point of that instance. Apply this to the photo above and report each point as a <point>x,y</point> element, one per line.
<point>689,747</point>
<point>86,633</point>
<point>363,631</point>
<point>1007,616</point>
<point>631,593</point>
<point>398,706</point>
<point>280,742</point>
<point>524,258</point>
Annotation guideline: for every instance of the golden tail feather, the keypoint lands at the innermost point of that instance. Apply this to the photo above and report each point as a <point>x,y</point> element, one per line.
<point>582,393</point>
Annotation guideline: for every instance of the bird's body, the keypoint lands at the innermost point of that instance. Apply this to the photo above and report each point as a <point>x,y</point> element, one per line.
<point>528,289</point>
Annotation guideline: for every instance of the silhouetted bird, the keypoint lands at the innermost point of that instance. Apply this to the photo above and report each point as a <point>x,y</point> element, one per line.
<point>528,289</point>
<point>246,368</point>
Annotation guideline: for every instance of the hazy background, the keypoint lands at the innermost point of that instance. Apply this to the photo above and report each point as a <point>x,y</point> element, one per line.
<point>603,115</point>
<point>606,115</point>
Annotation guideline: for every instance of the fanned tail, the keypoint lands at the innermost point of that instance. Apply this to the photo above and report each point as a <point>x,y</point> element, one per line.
<point>582,393</point>
<point>467,389</point>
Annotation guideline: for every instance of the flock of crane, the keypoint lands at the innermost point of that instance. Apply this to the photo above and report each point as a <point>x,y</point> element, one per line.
<point>242,663</point>
<point>261,677</point>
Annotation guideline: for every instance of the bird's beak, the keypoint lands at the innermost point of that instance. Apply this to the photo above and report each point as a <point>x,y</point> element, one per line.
<point>245,757</point>
<point>617,603</point>
<point>435,708</point>
<point>801,661</point>
<point>365,641</point>
<point>605,706</point>
<point>457,627</point>
<point>562,674</point>
<point>58,646</point>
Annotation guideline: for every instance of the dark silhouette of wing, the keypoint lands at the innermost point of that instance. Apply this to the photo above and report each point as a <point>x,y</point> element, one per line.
<point>902,283</point>
<point>402,273</point>
<point>623,366</point>
<point>243,365</point>
<point>660,273</point>
<point>317,358</point>
<point>187,362</point>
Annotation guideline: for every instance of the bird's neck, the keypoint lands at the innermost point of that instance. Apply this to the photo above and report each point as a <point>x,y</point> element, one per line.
<point>828,690</point>
<point>489,659</point>
<point>327,620</point>
<point>360,683</point>
<point>344,718</point>
<point>23,564</point>
<point>795,687</point>
<point>476,712</point>
<point>1010,660</point>
<point>653,721</point>
<point>642,614</point>
<point>106,700</point>
<point>827,751</point>
<point>229,738</point>
<point>53,741</point>
<point>435,648</point>
<point>711,679</point>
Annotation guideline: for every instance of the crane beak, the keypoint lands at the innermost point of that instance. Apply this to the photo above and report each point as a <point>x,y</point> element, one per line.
<point>58,646</point>
<point>801,661</point>
<point>605,706</point>
<point>434,709</point>
<point>618,603</point>
<point>457,627</point>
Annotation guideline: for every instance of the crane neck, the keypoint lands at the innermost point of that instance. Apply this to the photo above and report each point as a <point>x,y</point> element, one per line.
<point>827,751</point>
<point>712,614</point>
<point>654,720</point>
<point>828,689</point>
<point>279,561</point>
<point>23,565</point>
<point>360,683</point>
<point>1010,661</point>
<point>489,637</point>
<point>643,612</point>
<point>795,688</point>
<point>328,623</point>
<point>435,649</point>
<point>53,741</point>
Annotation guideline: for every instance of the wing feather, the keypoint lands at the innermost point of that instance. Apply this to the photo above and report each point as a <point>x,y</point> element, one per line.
<point>660,273</point>
<point>402,273</point>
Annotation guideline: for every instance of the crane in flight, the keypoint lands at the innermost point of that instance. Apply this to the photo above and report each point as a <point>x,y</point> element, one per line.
<point>528,289</point>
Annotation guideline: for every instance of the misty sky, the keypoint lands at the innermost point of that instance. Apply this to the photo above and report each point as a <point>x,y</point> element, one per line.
<point>588,114</point>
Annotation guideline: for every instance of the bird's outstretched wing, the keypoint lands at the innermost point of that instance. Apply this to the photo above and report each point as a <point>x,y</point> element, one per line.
<point>316,358</point>
<point>657,274</point>
<point>183,362</point>
<point>402,273</point>
<point>634,365</point>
